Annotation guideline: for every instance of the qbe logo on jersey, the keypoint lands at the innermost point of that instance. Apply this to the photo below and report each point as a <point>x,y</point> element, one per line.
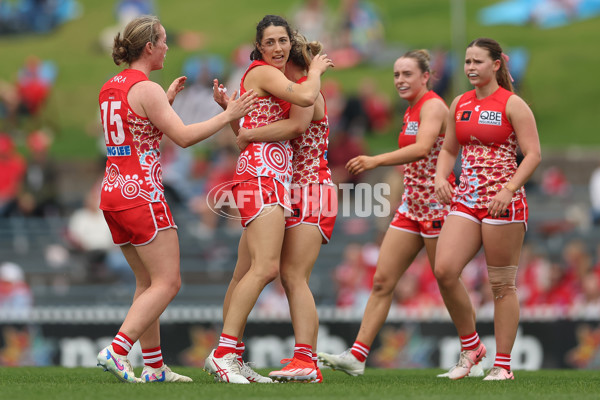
<point>490,118</point>
<point>412,128</point>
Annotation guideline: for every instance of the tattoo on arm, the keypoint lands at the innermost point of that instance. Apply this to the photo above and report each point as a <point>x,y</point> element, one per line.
<point>290,88</point>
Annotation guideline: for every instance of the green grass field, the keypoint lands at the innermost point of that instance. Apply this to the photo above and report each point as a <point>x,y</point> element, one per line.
<point>92,383</point>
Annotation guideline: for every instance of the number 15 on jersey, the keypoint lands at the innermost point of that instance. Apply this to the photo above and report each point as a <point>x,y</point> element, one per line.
<point>112,123</point>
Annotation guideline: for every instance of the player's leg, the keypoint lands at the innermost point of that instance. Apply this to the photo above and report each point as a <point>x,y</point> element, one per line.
<point>264,236</point>
<point>458,243</point>
<point>398,250</point>
<point>502,245</point>
<point>301,248</point>
<point>156,267</point>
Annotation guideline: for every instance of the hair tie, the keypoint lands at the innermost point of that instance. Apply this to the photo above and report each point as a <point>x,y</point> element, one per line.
<point>506,58</point>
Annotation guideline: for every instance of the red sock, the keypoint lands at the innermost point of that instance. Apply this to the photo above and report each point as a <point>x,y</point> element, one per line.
<point>303,352</point>
<point>502,361</point>
<point>239,350</point>
<point>470,342</point>
<point>121,344</point>
<point>315,359</point>
<point>153,357</point>
<point>360,351</point>
<point>227,344</point>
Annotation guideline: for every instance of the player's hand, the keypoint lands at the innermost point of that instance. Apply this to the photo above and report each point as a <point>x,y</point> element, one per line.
<point>500,202</point>
<point>220,94</point>
<point>242,139</point>
<point>237,108</point>
<point>321,63</point>
<point>360,164</point>
<point>443,190</point>
<point>176,87</point>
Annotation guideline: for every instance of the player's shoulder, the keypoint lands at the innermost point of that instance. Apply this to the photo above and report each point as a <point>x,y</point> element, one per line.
<point>264,70</point>
<point>435,103</point>
<point>148,88</point>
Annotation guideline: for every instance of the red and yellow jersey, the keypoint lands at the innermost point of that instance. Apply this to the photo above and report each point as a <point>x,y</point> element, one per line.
<point>418,200</point>
<point>271,159</point>
<point>489,147</point>
<point>133,175</point>
<point>310,153</point>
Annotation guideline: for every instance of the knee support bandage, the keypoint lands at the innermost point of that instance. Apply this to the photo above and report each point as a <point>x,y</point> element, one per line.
<point>502,280</point>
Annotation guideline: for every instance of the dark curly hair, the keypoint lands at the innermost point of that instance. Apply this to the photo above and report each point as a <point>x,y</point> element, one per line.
<point>269,20</point>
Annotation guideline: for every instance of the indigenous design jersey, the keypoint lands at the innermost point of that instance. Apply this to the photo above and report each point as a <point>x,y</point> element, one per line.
<point>133,173</point>
<point>310,153</point>
<point>271,159</point>
<point>489,154</point>
<point>418,200</point>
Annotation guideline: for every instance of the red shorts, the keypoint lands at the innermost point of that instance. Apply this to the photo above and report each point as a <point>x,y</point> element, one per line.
<point>139,225</point>
<point>518,211</point>
<point>253,195</point>
<point>314,204</point>
<point>427,229</point>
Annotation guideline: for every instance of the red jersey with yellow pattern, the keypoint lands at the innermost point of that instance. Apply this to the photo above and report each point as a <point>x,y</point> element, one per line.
<point>418,200</point>
<point>310,153</point>
<point>133,174</point>
<point>271,159</point>
<point>489,148</point>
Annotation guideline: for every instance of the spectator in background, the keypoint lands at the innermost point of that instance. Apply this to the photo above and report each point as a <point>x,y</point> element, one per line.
<point>34,83</point>
<point>377,106</point>
<point>359,33</point>
<point>441,66</point>
<point>13,167</point>
<point>594,187</point>
<point>88,233</point>
<point>39,195</point>
<point>354,118</point>
<point>350,279</point>
<point>336,100</point>
<point>532,261</point>
<point>23,16</point>
<point>344,146</point>
<point>553,288</point>
<point>312,18</point>
<point>555,182</point>
<point>590,291</point>
<point>16,299</point>
<point>240,60</point>
<point>124,12</point>
<point>195,104</point>
<point>9,102</point>
<point>365,112</point>
<point>418,289</point>
<point>221,167</point>
<point>273,302</point>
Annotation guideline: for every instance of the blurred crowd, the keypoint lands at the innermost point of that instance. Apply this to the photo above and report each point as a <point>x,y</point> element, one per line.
<point>35,16</point>
<point>568,283</point>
